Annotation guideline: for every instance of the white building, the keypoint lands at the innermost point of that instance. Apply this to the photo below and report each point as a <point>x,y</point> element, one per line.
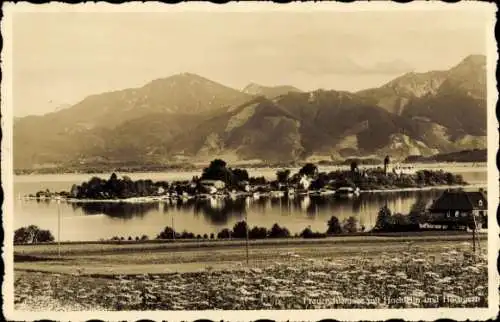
<point>305,182</point>
<point>213,185</point>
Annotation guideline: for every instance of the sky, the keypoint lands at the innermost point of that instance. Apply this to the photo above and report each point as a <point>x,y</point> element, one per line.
<point>60,58</point>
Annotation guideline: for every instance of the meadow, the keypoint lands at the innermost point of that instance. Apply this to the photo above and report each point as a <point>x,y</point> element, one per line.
<point>422,275</point>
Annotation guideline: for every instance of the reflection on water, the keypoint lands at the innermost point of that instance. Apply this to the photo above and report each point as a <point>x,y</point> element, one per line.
<point>221,211</point>
<point>120,210</point>
<point>92,221</point>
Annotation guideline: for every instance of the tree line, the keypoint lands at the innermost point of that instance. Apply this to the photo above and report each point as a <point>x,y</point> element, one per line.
<point>240,231</point>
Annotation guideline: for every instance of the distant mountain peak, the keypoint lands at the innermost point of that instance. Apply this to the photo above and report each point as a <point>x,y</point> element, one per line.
<point>269,91</point>
<point>439,111</point>
<point>181,77</point>
<point>476,59</point>
<point>413,84</point>
<point>471,64</point>
<point>251,87</point>
<point>467,78</point>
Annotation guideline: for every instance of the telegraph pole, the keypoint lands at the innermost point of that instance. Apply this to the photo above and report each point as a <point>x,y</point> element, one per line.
<point>475,235</point>
<point>173,229</point>
<point>246,242</point>
<point>58,228</point>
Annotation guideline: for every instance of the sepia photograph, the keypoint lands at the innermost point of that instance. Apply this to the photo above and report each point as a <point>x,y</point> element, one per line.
<point>299,161</point>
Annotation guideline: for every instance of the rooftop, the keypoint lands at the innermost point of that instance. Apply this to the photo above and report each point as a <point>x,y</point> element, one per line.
<point>460,200</point>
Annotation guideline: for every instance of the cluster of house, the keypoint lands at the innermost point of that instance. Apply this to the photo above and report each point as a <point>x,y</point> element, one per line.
<point>403,170</point>
<point>216,186</point>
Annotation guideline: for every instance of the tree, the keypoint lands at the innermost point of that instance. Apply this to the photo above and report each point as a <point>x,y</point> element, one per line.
<point>334,226</point>
<point>240,230</point>
<point>74,191</point>
<point>384,220</point>
<point>32,235</point>
<point>320,182</point>
<point>306,233</point>
<point>205,236</point>
<point>279,232</point>
<point>351,225</point>
<point>95,188</point>
<point>387,160</point>
<point>309,169</point>
<point>212,235</point>
<point>257,180</point>
<point>354,166</point>
<point>144,237</point>
<point>257,233</point>
<point>417,211</point>
<point>167,233</point>
<point>44,236</point>
<point>239,175</point>
<point>217,171</point>
<point>224,234</point>
<point>217,163</point>
<point>283,176</point>
<point>187,235</point>
<point>22,236</point>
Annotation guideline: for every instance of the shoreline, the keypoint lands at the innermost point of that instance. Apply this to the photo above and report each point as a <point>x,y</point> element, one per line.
<point>440,187</point>
<point>157,199</point>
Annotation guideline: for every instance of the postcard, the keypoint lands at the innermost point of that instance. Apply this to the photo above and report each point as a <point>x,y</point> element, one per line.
<point>248,161</point>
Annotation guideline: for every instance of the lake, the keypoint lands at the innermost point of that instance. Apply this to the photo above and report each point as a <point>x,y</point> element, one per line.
<point>94,221</point>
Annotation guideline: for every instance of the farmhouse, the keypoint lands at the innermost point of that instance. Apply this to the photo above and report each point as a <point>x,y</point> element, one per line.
<point>459,208</point>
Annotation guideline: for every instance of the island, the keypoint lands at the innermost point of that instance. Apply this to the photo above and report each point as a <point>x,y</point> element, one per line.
<point>219,180</point>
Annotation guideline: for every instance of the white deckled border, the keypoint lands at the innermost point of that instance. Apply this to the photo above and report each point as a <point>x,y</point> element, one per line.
<point>10,9</point>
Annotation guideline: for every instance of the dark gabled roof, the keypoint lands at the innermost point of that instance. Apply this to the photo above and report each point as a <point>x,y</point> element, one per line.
<point>460,200</point>
<point>477,196</point>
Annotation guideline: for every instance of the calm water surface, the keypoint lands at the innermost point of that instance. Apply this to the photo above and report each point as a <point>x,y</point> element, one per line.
<point>94,221</point>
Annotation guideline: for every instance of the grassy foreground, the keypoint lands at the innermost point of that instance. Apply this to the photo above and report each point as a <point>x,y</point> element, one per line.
<point>379,272</point>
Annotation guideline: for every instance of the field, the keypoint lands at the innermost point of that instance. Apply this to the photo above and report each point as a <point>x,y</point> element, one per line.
<point>379,272</point>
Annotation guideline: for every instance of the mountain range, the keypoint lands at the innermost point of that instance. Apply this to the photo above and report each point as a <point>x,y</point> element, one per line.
<point>188,117</point>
